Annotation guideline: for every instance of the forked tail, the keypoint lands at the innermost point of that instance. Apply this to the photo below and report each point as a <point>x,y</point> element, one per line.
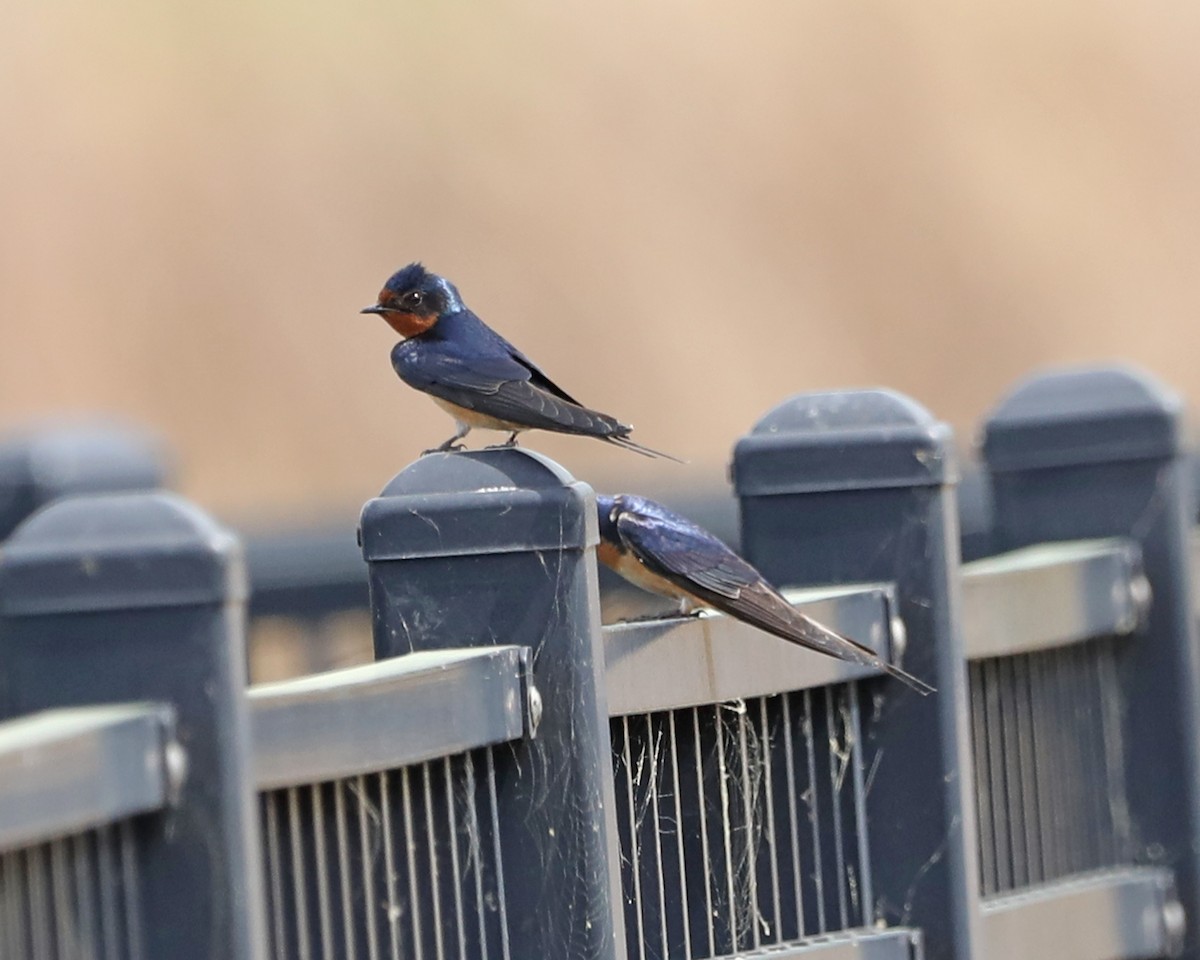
<point>644,451</point>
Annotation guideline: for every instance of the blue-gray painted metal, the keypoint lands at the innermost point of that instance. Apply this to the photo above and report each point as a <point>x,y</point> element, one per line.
<point>134,597</point>
<point>1115,915</point>
<point>691,661</point>
<point>62,771</point>
<point>475,549</point>
<point>1096,453</point>
<point>1195,551</point>
<point>1052,595</point>
<point>53,461</point>
<point>305,572</point>
<point>389,714</point>
<point>895,944</point>
<point>855,487</point>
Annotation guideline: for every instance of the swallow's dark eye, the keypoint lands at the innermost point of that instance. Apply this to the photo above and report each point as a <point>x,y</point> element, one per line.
<point>413,298</point>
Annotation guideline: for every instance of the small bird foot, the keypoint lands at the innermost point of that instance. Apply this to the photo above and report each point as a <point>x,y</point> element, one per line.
<point>507,444</point>
<point>449,447</point>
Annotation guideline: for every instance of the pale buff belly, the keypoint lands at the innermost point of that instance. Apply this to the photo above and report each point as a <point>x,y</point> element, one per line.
<point>632,570</point>
<point>475,419</point>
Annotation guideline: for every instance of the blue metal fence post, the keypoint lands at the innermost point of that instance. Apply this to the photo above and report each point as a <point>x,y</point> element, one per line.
<point>140,597</point>
<point>1097,453</point>
<point>47,463</point>
<point>858,486</point>
<point>495,547</point>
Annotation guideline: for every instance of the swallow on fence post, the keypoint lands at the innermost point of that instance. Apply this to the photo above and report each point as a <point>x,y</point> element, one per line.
<point>474,374</point>
<point>660,551</point>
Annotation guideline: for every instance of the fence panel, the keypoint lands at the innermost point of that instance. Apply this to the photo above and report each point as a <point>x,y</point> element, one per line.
<point>135,598</point>
<point>378,800</point>
<point>857,487</point>
<point>1106,775</point>
<point>741,786</point>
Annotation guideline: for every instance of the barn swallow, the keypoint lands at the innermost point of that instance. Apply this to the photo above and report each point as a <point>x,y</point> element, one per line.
<point>473,373</point>
<point>666,554</point>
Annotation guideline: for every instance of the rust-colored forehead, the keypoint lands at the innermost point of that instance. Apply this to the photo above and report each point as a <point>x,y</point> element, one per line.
<point>386,296</point>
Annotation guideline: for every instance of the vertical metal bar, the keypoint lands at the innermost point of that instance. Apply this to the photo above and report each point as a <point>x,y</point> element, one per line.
<point>634,858</point>
<point>652,750</point>
<point>14,907</point>
<point>275,873</point>
<point>750,820</point>
<point>1106,846</point>
<point>60,898</point>
<point>394,910</point>
<point>814,812</point>
<point>683,876</point>
<point>476,853</point>
<point>133,890</point>
<point>1114,753</point>
<point>772,839</point>
<point>1014,786</point>
<point>1046,768</point>
<point>106,877</point>
<point>793,811</point>
<point>709,879</point>
<point>491,775</point>
<point>835,789</point>
<point>998,788</point>
<point>983,793</point>
<point>459,922</point>
<point>435,889</point>
<point>89,934</point>
<point>866,889</point>
<point>321,868</point>
<point>343,845</point>
<point>1027,737</point>
<point>39,914</point>
<point>299,874</point>
<point>726,831</point>
<point>370,906</point>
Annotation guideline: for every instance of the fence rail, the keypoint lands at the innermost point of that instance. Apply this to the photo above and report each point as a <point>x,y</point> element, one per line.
<point>510,779</point>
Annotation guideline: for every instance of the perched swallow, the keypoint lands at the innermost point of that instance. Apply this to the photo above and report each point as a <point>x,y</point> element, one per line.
<point>473,373</point>
<point>666,554</point>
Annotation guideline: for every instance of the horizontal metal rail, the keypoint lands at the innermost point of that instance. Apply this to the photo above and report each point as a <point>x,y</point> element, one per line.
<point>64,771</point>
<point>1128,914</point>
<point>306,572</point>
<point>899,943</point>
<point>389,714</point>
<point>667,664</point>
<point>1052,595</point>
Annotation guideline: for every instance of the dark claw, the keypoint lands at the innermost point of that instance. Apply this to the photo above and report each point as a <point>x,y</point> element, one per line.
<point>449,447</point>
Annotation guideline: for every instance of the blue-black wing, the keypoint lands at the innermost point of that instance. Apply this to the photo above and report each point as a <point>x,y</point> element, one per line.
<point>499,386</point>
<point>688,556</point>
<point>697,562</point>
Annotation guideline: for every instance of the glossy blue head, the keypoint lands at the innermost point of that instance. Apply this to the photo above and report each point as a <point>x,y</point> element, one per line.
<point>413,300</point>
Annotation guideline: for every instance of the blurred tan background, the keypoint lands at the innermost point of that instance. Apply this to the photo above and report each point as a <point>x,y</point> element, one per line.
<point>685,212</point>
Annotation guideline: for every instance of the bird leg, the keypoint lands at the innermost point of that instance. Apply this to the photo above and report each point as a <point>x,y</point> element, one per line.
<point>510,442</point>
<point>451,445</point>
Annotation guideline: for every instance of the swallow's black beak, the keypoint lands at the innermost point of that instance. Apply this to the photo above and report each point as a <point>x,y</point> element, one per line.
<point>374,309</point>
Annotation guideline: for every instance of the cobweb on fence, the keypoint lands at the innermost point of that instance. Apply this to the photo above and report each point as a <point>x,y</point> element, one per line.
<point>739,824</point>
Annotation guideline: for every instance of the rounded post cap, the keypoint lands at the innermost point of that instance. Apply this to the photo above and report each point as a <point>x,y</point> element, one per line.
<point>1084,415</point>
<point>119,551</point>
<point>41,464</point>
<point>844,440</point>
<point>502,500</point>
